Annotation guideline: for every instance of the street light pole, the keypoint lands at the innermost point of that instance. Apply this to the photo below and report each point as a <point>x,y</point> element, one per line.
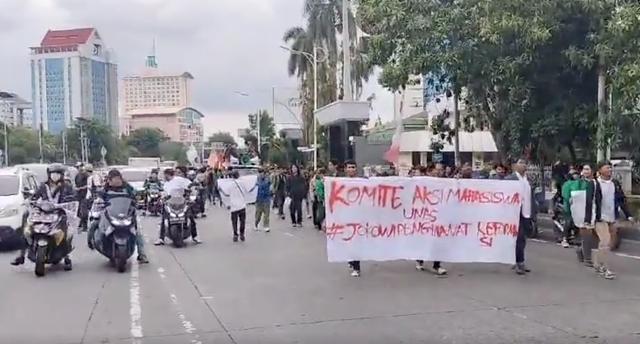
<point>315,107</point>
<point>313,58</point>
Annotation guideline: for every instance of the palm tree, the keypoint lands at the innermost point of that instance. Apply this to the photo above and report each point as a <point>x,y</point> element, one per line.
<point>324,18</point>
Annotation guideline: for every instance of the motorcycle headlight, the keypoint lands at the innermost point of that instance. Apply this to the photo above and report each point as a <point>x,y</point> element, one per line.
<point>192,198</point>
<point>122,222</point>
<point>9,212</point>
<point>42,229</point>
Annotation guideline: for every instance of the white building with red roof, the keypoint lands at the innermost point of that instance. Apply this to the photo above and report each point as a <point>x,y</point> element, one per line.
<point>73,75</point>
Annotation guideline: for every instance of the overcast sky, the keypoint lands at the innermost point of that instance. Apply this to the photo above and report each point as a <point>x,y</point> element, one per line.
<point>228,45</point>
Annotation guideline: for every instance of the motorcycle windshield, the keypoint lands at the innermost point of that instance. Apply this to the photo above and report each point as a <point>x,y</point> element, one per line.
<point>176,203</point>
<point>119,207</point>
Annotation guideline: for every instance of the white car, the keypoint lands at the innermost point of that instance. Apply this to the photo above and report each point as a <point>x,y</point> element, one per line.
<point>15,184</point>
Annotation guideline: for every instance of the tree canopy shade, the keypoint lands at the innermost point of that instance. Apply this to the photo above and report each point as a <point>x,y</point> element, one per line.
<point>222,137</point>
<point>526,70</point>
<point>24,144</point>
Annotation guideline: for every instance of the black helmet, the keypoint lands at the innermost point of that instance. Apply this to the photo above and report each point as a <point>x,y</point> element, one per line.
<point>56,168</point>
<point>154,171</point>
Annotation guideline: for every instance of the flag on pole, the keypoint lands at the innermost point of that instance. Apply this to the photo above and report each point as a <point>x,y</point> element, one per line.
<point>393,154</point>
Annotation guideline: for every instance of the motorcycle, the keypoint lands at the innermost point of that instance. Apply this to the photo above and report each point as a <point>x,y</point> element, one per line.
<point>47,238</point>
<point>154,206</point>
<point>559,222</point>
<point>116,234</point>
<point>95,212</point>
<point>176,208</point>
<point>141,199</point>
<point>196,198</point>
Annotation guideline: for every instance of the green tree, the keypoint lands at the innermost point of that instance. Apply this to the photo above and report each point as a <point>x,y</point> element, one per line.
<point>525,70</point>
<point>324,22</point>
<point>173,151</point>
<point>98,134</point>
<point>223,137</point>
<point>267,132</point>
<point>146,141</point>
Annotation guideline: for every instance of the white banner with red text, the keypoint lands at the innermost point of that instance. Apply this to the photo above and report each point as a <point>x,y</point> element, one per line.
<point>422,218</point>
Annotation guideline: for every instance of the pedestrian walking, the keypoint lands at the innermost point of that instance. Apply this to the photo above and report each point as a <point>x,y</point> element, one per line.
<point>237,199</point>
<point>263,201</point>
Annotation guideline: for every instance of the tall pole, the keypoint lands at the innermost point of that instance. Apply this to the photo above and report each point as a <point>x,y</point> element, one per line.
<point>315,107</point>
<point>602,145</point>
<point>64,147</point>
<point>6,143</point>
<point>273,103</point>
<point>346,53</point>
<point>40,143</point>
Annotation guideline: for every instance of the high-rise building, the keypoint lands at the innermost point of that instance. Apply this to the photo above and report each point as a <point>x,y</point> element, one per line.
<point>14,110</point>
<point>163,101</point>
<point>152,89</point>
<point>73,75</point>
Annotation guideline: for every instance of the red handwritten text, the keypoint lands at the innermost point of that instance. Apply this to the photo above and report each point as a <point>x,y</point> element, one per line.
<point>426,214</point>
<point>349,231</point>
<point>488,230</point>
<point>380,195</point>
<point>424,195</point>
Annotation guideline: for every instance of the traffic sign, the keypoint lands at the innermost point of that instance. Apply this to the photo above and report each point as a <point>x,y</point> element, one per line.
<point>103,151</point>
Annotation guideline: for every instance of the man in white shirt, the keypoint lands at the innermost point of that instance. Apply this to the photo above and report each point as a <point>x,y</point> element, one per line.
<point>236,193</point>
<point>608,198</point>
<point>526,212</point>
<point>176,186</point>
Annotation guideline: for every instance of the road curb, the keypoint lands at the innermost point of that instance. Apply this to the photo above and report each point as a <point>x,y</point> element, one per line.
<point>545,226</point>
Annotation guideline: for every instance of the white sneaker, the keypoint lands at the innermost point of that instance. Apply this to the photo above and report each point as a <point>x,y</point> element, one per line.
<point>256,228</point>
<point>267,230</point>
<point>439,271</point>
<point>196,240</point>
<point>159,242</point>
<point>565,243</point>
<point>419,266</point>
<point>309,216</point>
<point>355,273</point>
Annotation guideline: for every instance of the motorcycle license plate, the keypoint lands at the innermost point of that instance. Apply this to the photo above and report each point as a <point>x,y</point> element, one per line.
<point>176,220</point>
<point>42,242</point>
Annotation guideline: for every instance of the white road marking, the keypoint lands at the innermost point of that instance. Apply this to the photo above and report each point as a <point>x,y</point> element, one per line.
<point>624,255</point>
<point>135,310</point>
<point>627,255</point>
<point>287,233</point>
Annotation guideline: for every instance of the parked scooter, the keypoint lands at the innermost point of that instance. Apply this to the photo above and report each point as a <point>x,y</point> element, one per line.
<point>47,234</point>
<point>116,234</point>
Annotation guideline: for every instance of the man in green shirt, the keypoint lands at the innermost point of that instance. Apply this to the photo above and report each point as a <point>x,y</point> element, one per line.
<point>319,199</point>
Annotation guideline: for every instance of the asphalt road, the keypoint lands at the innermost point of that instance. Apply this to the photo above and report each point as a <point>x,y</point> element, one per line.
<point>278,288</point>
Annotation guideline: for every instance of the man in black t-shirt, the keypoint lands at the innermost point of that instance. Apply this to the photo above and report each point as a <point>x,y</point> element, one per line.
<point>81,195</point>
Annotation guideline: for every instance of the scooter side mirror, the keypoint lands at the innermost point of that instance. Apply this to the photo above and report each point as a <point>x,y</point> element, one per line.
<point>28,193</point>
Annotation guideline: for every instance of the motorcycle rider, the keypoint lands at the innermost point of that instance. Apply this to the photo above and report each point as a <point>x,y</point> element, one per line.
<point>152,180</point>
<point>177,183</point>
<point>55,190</point>
<point>191,175</point>
<point>115,185</point>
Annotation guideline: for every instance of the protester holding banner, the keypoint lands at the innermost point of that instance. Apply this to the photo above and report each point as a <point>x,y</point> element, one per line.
<point>236,193</point>
<point>527,210</point>
<point>437,266</point>
<point>352,172</point>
